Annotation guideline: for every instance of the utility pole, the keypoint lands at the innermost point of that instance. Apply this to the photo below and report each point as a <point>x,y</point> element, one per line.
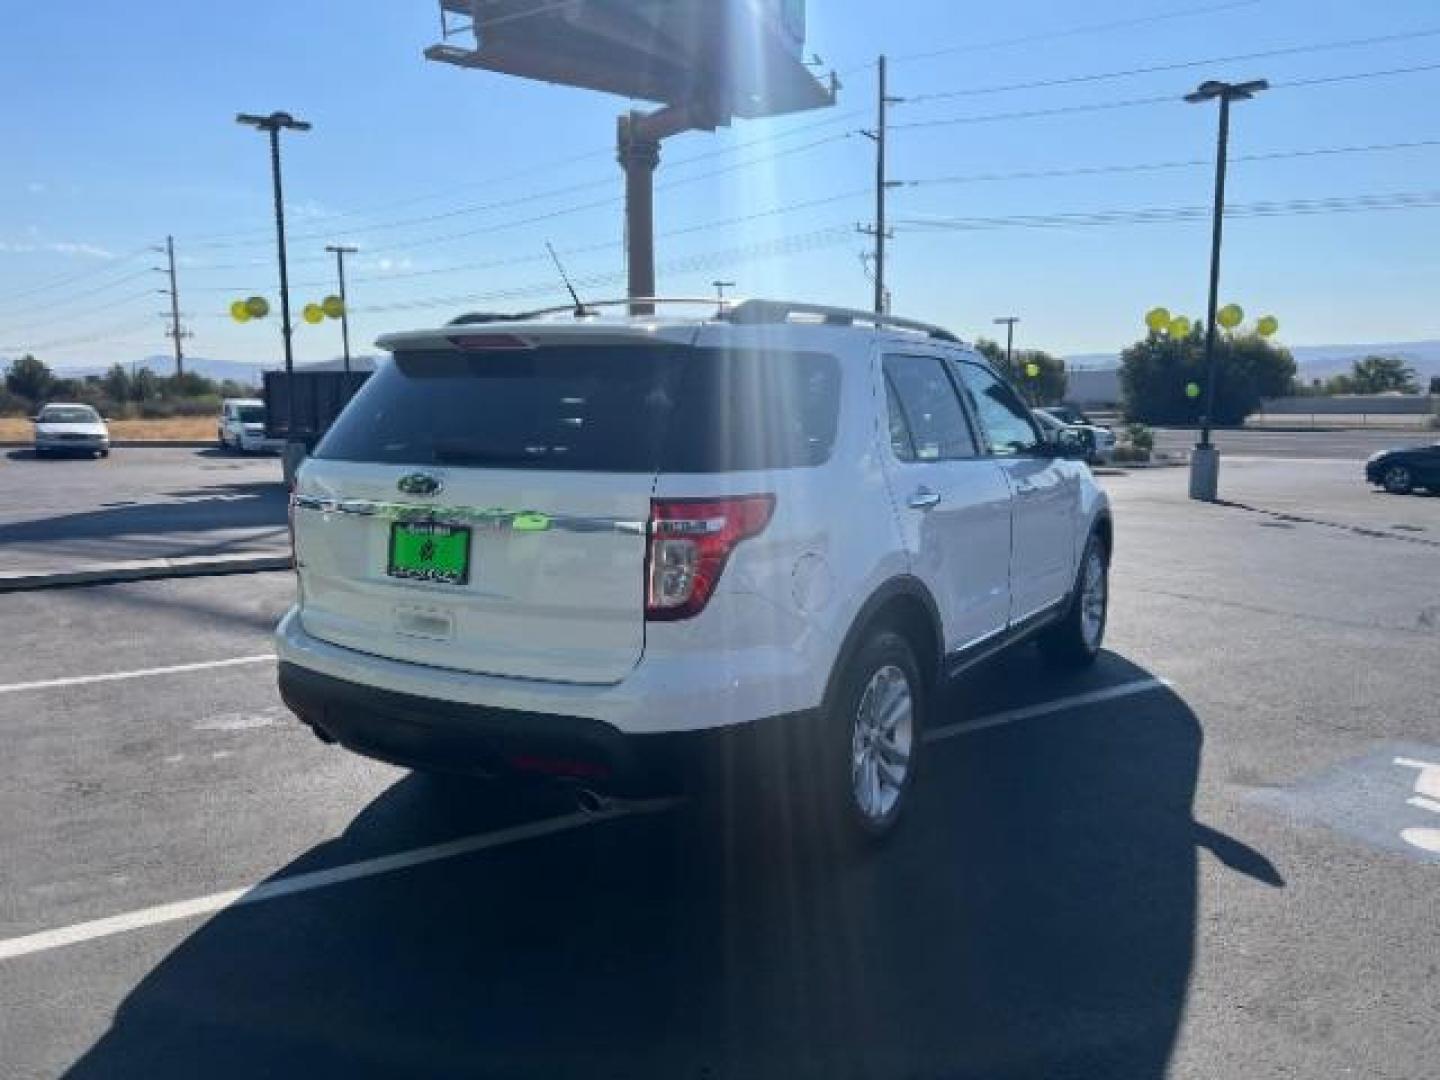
<point>175,330</point>
<point>1009,321</point>
<point>341,251</point>
<point>1205,461</point>
<point>882,186</point>
<point>273,125</point>
<point>720,287</point>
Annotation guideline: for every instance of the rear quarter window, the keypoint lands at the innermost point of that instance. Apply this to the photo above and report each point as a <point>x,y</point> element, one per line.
<point>595,408</point>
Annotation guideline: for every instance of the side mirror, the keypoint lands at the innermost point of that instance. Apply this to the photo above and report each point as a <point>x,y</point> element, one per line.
<point>35,419</point>
<point>1070,444</point>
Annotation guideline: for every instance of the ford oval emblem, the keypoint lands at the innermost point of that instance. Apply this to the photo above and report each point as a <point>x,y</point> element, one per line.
<point>419,483</point>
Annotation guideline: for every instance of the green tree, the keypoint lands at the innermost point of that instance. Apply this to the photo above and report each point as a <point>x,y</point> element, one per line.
<point>144,386</point>
<point>29,378</point>
<point>116,384</point>
<point>1050,382</point>
<point>1155,372</point>
<point>1378,375</point>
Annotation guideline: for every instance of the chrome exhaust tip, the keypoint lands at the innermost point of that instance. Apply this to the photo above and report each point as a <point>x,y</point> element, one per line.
<point>588,801</point>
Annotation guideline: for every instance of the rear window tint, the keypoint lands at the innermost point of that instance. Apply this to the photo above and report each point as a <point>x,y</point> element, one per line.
<point>594,409</point>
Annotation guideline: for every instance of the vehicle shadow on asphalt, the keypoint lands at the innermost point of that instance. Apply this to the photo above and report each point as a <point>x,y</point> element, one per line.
<point>1034,918</point>
<point>245,505</point>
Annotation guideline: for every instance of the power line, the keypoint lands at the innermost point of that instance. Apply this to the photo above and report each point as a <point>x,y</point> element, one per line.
<point>1404,200</point>
<point>1326,80</point>
<point>1156,166</point>
<point>782,246</point>
<point>115,264</point>
<point>71,317</point>
<point>1158,99</point>
<point>576,208</point>
<point>229,240</point>
<point>72,297</point>
<point>1179,65</point>
<point>1029,114</point>
<point>86,339</point>
<point>1074,31</point>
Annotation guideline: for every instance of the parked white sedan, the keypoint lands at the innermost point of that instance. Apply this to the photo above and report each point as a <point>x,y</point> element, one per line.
<point>62,428</point>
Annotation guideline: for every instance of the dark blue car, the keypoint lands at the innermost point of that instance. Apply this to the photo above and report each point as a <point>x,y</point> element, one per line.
<point>1403,470</point>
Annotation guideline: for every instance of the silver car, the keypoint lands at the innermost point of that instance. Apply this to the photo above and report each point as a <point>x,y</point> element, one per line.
<point>63,428</point>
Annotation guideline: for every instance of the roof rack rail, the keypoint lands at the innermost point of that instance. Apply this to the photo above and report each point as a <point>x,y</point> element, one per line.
<point>779,311</point>
<point>589,307</point>
<point>473,318</point>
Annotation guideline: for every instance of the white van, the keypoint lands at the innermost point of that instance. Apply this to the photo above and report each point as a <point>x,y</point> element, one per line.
<point>242,427</point>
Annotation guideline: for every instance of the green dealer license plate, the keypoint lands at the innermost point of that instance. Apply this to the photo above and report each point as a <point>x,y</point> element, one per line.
<point>422,551</point>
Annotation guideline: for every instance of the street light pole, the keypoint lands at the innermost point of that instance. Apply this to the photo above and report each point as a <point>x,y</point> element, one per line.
<point>341,251</point>
<point>1205,461</point>
<point>273,125</point>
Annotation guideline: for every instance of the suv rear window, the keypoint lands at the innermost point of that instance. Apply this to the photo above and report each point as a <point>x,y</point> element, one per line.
<point>594,408</point>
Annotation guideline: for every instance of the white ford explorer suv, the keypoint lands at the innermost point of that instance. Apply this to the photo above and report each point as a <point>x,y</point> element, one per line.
<point>600,550</point>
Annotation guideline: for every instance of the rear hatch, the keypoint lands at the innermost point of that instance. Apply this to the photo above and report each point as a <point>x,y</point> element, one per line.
<point>481,504</point>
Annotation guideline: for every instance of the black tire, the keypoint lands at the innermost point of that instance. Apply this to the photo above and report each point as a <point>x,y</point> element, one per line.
<point>39,453</point>
<point>1398,479</point>
<point>883,650</point>
<point>1074,642</point>
<point>105,453</point>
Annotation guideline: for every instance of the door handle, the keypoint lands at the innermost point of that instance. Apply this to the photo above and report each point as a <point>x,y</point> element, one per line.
<point>1025,487</point>
<point>924,499</point>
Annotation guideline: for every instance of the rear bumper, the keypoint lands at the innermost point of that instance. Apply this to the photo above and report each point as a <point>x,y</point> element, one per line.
<point>445,736</point>
<point>686,692</point>
<point>80,446</point>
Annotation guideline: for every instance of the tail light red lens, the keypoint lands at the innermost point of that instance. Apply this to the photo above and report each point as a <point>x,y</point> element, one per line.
<point>690,542</point>
<point>294,562</point>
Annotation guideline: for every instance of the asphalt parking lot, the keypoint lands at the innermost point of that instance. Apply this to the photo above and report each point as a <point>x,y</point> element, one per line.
<point>139,503</point>
<point>1356,444</point>
<point>1214,854</point>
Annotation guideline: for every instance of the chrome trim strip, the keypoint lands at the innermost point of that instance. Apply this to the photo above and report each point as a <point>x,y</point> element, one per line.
<point>495,518</point>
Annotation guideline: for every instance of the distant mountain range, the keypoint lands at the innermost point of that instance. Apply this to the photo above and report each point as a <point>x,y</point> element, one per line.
<point>1316,361</point>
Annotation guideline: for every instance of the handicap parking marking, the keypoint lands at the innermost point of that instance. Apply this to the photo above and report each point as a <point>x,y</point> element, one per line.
<point>161,914</point>
<point>1426,797</point>
<point>1374,799</point>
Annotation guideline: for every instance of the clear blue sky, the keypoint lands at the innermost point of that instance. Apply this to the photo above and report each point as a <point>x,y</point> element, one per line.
<point>120,129</point>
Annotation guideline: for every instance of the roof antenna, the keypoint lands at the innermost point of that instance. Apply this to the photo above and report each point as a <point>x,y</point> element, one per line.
<point>581,311</point>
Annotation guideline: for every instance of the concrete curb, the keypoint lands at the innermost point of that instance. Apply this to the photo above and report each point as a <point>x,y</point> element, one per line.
<point>126,444</point>
<point>145,570</point>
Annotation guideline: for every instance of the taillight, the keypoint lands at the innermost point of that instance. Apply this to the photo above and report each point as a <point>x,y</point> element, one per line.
<point>294,562</point>
<point>690,541</point>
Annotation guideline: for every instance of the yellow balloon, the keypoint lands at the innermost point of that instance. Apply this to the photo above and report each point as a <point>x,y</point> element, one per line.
<point>312,314</point>
<point>240,311</point>
<point>258,307</point>
<point>1268,325</point>
<point>332,306</point>
<point>1230,316</point>
<point>1157,319</point>
<point>1179,327</point>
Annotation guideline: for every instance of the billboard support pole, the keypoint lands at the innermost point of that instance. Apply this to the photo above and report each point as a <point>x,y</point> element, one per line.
<point>638,136</point>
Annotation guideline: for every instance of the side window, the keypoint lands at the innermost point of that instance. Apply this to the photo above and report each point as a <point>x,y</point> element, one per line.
<point>1009,428</point>
<point>927,422</point>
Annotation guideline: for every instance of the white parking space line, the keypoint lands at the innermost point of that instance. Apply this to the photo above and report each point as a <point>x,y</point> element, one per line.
<point>1045,708</point>
<point>141,673</point>
<point>45,940</point>
<point>318,879</point>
